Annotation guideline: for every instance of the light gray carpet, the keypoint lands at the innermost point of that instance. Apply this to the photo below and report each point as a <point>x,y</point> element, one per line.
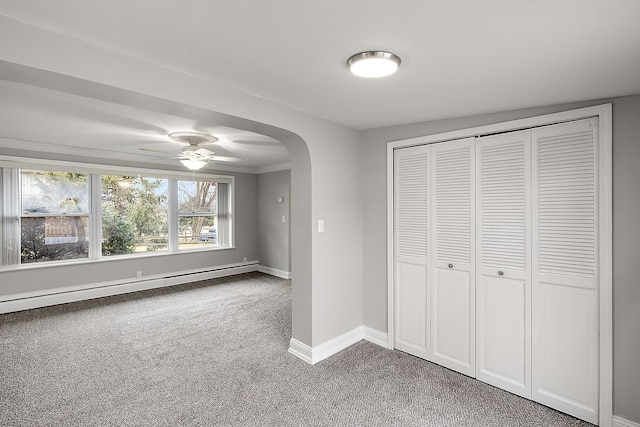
<point>214,353</point>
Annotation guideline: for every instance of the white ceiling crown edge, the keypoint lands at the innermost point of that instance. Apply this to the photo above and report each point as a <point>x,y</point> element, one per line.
<point>35,150</point>
<point>274,168</point>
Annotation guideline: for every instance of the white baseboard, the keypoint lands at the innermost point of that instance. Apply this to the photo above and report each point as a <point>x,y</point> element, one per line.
<point>621,422</point>
<point>313,355</point>
<point>274,272</point>
<point>29,300</point>
<point>301,351</point>
<point>212,273</point>
<point>375,336</point>
<point>336,344</point>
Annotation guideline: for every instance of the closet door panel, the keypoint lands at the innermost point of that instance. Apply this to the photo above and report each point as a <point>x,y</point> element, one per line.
<point>502,327</point>
<point>565,268</point>
<point>452,337</point>
<point>504,266</point>
<point>566,350</point>
<point>411,250</point>
<point>452,321</point>
<point>410,306</point>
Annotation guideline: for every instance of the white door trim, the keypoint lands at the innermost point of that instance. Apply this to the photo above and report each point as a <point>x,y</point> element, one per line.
<point>604,114</point>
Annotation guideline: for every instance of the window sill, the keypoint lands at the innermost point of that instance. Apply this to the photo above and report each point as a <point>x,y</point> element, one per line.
<point>113,258</point>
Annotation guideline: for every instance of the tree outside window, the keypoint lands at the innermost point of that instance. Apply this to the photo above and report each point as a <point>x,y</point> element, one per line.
<point>55,216</point>
<point>197,213</point>
<point>134,214</point>
<point>47,215</point>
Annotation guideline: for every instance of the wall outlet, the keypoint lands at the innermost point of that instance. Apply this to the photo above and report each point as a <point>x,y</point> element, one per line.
<point>138,274</point>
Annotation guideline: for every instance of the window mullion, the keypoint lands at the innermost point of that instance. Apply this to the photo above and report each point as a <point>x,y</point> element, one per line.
<point>223,214</point>
<point>10,225</point>
<point>95,217</point>
<point>172,216</point>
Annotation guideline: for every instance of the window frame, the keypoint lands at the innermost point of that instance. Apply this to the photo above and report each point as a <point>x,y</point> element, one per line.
<point>210,214</point>
<point>23,214</point>
<point>98,196</point>
<point>9,164</point>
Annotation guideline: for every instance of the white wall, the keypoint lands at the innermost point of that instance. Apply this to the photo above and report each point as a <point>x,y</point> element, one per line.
<point>273,233</point>
<point>326,268</point>
<point>626,230</point>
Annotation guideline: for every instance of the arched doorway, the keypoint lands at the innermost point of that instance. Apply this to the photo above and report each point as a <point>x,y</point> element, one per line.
<point>121,98</point>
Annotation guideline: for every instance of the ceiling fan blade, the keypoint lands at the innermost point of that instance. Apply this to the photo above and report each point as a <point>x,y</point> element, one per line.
<point>199,154</point>
<point>154,151</point>
<point>223,159</point>
<point>169,156</point>
<point>159,159</point>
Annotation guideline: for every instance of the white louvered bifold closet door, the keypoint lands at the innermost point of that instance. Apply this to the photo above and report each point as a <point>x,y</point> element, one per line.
<point>452,307</point>
<point>565,268</point>
<point>411,249</point>
<point>503,346</point>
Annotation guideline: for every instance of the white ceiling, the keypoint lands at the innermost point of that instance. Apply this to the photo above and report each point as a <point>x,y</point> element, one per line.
<point>459,57</point>
<point>38,119</point>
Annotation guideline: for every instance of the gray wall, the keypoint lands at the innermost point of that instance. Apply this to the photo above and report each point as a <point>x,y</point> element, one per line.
<point>246,245</point>
<point>327,267</point>
<point>626,230</point>
<point>273,234</point>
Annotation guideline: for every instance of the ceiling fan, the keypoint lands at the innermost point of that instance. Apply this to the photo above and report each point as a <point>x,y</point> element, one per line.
<point>194,155</point>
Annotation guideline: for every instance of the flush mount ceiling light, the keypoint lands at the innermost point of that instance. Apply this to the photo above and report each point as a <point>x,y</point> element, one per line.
<point>373,64</point>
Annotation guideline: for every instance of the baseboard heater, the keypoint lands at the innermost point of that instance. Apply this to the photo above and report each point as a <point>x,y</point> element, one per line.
<point>44,298</point>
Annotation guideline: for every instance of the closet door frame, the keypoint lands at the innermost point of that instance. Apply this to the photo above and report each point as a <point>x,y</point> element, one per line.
<point>605,259</point>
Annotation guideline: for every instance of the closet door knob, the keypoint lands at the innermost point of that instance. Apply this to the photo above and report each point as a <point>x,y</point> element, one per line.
<point>450,265</point>
<point>500,273</point>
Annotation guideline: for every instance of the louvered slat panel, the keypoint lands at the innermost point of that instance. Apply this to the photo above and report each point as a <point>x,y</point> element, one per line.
<point>453,208</point>
<point>502,205</point>
<point>504,239</point>
<point>411,203</point>
<point>566,211</point>
<point>452,286</point>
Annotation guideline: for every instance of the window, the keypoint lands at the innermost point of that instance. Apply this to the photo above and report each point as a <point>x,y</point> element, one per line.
<point>134,214</point>
<point>54,222</point>
<point>197,214</point>
<point>57,215</point>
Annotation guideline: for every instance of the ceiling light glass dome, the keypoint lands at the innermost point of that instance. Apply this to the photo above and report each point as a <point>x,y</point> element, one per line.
<point>372,64</point>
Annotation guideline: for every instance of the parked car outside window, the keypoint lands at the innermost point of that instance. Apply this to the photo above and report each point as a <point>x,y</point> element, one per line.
<point>210,235</point>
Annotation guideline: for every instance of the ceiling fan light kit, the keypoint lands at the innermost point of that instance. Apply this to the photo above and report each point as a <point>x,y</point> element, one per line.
<point>193,164</point>
<point>195,157</point>
<point>374,64</point>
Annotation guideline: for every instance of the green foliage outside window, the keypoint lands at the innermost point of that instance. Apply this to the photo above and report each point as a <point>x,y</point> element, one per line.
<point>56,213</point>
<point>134,206</point>
<point>36,246</point>
<point>120,234</point>
<point>44,236</point>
